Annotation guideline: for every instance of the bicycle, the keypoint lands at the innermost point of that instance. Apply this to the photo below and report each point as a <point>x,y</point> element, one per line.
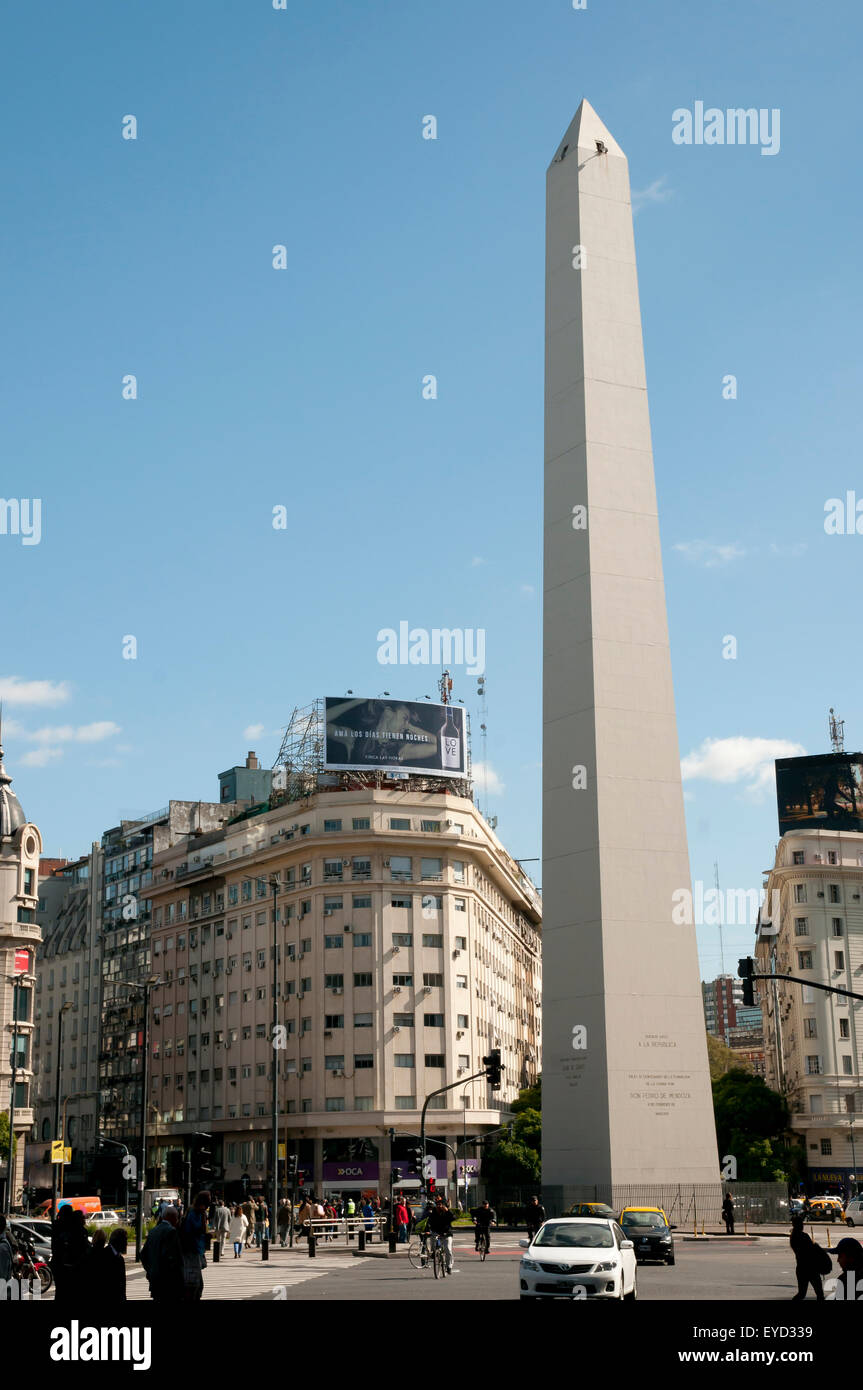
<point>439,1258</point>
<point>418,1252</point>
<point>483,1245</point>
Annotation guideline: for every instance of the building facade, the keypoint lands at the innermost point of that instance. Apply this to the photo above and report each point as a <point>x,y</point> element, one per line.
<point>407,948</point>
<point>20,851</point>
<point>722,997</point>
<point>814,1040</point>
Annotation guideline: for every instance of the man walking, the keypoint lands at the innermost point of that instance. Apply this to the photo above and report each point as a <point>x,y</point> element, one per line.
<point>534,1217</point>
<point>811,1261</point>
<point>162,1259</point>
<point>728,1214</point>
<point>222,1223</point>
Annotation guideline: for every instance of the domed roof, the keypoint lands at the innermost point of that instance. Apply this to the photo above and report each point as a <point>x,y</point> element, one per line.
<point>11,813</point>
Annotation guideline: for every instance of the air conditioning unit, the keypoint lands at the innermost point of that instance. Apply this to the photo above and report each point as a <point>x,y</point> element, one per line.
<point>397,1028</point>
<point>328,912</point>
<point>301,955</point>
<point>426,989</point>
<point>301,995</point>
<point>328,1033</point>
<point>386,863</point>
<point>338,990</point>
<point>816,858</point>
<point>460,1033</point>
<point>230,970</point>
<point>396,950</point>
<point>456,952</point>
<point>347,925</point>
<point>397,989</point>
<point>229,935</point>
<point>459,1071</point>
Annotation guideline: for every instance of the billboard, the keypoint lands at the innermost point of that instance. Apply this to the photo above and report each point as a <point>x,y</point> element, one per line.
<point>824,791</point>
<point>397,735</point>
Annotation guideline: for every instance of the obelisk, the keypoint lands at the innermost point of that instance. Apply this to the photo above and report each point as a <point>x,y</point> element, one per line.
<point>626,1089</point>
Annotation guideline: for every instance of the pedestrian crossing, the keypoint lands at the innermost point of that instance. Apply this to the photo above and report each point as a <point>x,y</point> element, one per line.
<point>251,1277</point>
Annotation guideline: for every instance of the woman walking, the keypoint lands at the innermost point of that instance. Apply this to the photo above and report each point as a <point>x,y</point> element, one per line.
<point>237,1230</point>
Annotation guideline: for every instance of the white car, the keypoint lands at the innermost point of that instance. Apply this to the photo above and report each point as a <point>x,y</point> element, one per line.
<point>578,1257</point>
<point>103,1218</point>
<point>854,1212</point>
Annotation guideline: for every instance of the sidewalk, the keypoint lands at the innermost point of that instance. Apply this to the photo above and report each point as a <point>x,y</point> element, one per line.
<point>252,1277</point>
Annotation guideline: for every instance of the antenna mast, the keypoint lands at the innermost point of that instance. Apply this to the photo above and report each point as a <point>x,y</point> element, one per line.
<point>719,905</point>
<point>837,733</point>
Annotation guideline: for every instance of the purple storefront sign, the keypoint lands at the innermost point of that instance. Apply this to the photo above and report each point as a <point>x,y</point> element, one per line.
<point>473,1167</point>
<point>351,1172</point>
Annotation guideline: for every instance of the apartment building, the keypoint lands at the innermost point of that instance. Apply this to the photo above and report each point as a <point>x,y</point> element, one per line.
<point>721,998</point>
<point>407,947</point>
<point>814,1040</point>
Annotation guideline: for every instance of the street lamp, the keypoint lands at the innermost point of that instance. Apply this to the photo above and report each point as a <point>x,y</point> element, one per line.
<point>64,1008</point>
<point>144,988</point>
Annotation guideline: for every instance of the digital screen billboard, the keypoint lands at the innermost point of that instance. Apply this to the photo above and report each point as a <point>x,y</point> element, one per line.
<point>397,735</point>
<point>823,791</point>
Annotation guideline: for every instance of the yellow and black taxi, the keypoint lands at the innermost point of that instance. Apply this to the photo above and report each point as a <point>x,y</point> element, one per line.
<point>601,1209</point>
<point>825,1208</point>
<point>650,1233</point>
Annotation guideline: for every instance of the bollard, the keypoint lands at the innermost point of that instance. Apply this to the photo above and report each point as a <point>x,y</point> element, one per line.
<point>216,1249</point>
<point>312,1251</point>
<point>391,1238</point>
<point>361,1241</point>
<point>265,1249</point>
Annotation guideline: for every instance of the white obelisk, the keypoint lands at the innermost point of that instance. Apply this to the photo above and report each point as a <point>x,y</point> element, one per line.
<point>626,1090</point>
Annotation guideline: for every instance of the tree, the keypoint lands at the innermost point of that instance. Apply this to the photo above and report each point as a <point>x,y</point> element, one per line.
<point>527,1129</point>
<point>751,1121</point>
<point>722,1059</point>
<point>511,1164</point>
<point>529,1099</point>
<point>4,1139</point>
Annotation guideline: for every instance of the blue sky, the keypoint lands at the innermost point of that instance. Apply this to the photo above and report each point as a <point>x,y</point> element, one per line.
<point>301,387</point>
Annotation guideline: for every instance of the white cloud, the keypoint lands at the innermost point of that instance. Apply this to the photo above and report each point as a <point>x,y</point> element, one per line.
<point>656,192</point>
<point>81,733</point>
<point>490,781</point>
<point>709,555</point>
<point>40,757</point>
<point>785,551</point>
<point>14,691</point>
<point>477,560</point>
<point>528,589</point>
<point>738,759</point>
<point>253,731</point>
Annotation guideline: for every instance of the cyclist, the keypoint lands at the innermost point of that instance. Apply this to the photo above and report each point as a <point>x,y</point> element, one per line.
<point>440,1224</point>
<point>483,1219</point>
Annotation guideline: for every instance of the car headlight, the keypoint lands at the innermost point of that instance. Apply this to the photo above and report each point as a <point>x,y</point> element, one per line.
<point>666,1240</point>
<point>529,1264</point>
<point>605,1266</point>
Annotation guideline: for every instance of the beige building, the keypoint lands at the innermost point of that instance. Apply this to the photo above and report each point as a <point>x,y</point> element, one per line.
<point>408,947</point>
<point>813,1041</point>
<point>20,850</point>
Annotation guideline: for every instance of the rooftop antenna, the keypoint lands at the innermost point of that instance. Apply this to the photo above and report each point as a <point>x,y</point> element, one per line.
<point>445,688</point>
<point>837,733</point>
<point>480,690</point>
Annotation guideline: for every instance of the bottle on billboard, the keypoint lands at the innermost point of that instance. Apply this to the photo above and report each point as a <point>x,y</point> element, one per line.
<point>450,742</point>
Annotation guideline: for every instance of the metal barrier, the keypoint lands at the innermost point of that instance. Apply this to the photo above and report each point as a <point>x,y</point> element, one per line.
<point>345,1231</point>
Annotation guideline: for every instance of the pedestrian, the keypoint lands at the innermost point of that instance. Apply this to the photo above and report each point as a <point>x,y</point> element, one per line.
<point>812,1261</point>
<point>728,1214</point>
<point>304,1218</point>
<point>237,1230</point>
<point>115,1282</point>
<point>534,1216</point>
<point>162,1259</point>
<point>222,1221</point>
<point>849,1284</point>
<point>69,1249</point>
<point>369,1214</point>
<point>402,1221</point>
<point>248,1212</point>
<point>283,1221</point>
<point>259,1221</point>
<point>7,1254</point>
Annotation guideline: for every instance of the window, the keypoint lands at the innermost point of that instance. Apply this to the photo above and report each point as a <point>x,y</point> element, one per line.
<point>433,939</point>
<point>463,1061</point>
<point>405,981</point>
<point>797,857</point>
<point>435,981</point>
<point>333,943</point>
<point>364,1102</point>
<point>810,1028</point>
<point>403,1059</point>
<point>406,1102</point>
<point>362,1020</point>
<point>334,982</point>
<point>826,1147</point>
<point>816,1105</point>
<point>458,870</point>
<point>332,870</point>
<point>334,1020</point>
<point>334,1103</point>
<point>306,1105</point>
<point>431,869</point>
<point>831,856</point>
<point>838,960</point>
<point>334,1063</point>
<point>333,904</point>
<point>434,1021</point>
<point>837,926</point>
<point>330,825</point>
<point>800,892</point>
<point>844,1028</point>
<point>399,823</point>
<point>431,827</point>
<point>834,893</point>
<point>804,960</point>
<point>405,903</point>
<point>435,1059</point>
<point>361,823</point>
<point>801,926</point>
<point>460,904</point>
<point>306,944</point>
<point>362,978</point>
<point>362,938</point>
<point>403,938</point>
<point>306,1065</point>
<point>363,1061</point>
<point>461,981</point>
<point>846,1066</point>
<point>361,868</point>
<point>403,1020</point>
<point>813,1066</point>
<point>305,984</point>
<point>462,1021</point>
<point>461,943</point>
<point>362,900</point>
<point>850,1107</point>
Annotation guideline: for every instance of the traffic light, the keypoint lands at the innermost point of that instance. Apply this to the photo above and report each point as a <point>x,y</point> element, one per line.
<point>431,1184</point>
<point>396,1175</point>
<point>493,1068</point>
<point>301,1180</point>
<point>745,970</point>
<point>174,1168</point>
<point>415,1161</point>
<point>293,1166</point>
<point>202,1161</point>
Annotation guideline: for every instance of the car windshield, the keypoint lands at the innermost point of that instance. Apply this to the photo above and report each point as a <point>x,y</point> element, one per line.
<point>645,1220</point>
<point>575,1233</point>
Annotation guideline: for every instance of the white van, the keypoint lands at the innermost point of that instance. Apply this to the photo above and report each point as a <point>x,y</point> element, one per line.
<point>854,1212</point>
